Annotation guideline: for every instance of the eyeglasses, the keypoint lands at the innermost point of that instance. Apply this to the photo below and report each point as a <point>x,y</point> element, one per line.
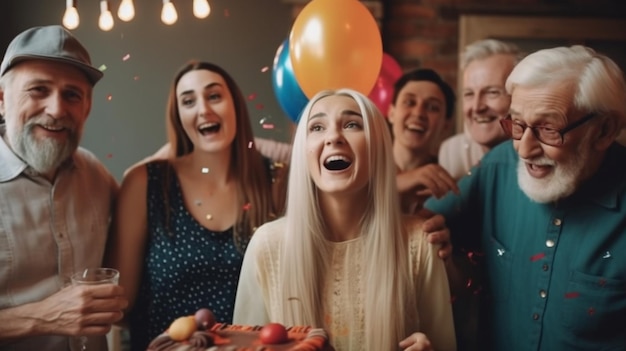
<point>546,135</point>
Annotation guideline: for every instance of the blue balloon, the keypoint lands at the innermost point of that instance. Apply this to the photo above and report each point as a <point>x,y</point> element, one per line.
<point>286,88</point>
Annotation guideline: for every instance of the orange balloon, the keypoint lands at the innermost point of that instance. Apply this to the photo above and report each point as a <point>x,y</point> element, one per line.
<point>335,44</point>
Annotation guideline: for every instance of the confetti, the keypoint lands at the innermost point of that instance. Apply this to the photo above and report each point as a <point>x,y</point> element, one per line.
<point>252,96</point>
<point>250,144</point>
<point>265,69</point>
<point>472,255</point>
<point>226,13</point>
<point>102,67</point>
<point>469,283</point>
<point>205,170</point>
<point>136,78</point>
<point>267,123</point>
<point>109,97</point>
<point>591,311</point>
<point>537,257</point>
<point>247,206</point>
<point>126,57</point>
<point>259,106</point>
<point>572,295</point>
<point>607,255</point>
<point>109,155</point>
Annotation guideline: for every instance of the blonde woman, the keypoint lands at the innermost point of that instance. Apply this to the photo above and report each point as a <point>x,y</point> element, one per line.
<point>343,257</point>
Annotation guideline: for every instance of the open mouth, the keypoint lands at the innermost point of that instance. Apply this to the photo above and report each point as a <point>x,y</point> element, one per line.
<point>416,128</point>
<point>209,128</point>
<point>52,128</point>
<point>539,169</point>
<point>337,163</point>
<point>484,119</point>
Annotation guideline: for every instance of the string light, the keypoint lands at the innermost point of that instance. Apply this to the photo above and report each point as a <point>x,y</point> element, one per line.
<point>126,11</point>
<point>105,22</point>
<point>168,13</point>
<point>70,17</point>
<point>201,8</point>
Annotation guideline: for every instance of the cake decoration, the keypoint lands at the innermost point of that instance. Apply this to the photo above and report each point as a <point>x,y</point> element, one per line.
<point>200,332</point>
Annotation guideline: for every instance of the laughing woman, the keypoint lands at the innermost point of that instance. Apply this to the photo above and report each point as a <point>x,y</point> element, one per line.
<point>343,257</point>
<point>182,225</point>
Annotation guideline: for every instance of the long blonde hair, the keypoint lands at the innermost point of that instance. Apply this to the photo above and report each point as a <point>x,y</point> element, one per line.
<point>385,259</point>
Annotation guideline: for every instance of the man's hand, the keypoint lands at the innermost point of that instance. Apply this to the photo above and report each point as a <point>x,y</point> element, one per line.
<point>427,180</point>
<point>81,310</point>
<point>437,232</point>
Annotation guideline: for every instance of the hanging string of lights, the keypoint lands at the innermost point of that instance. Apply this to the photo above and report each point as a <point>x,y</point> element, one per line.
<point>126,12</point>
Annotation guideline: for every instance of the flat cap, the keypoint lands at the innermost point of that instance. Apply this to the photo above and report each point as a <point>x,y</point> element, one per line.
<point>53,43</point>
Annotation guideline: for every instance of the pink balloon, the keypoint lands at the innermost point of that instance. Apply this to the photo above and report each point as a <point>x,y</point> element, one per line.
<point>382,93</point>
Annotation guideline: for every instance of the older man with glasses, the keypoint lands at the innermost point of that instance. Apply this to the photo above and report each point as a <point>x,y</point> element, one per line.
<point>546,212</point>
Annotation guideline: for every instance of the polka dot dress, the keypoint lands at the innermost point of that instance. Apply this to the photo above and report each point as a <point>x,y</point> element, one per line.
<point>186,267</point>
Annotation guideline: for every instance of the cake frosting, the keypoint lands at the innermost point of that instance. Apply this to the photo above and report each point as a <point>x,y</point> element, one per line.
<point>228,337</point>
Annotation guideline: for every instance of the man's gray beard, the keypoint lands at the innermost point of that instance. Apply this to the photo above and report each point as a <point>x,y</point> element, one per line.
<point>46,155</point>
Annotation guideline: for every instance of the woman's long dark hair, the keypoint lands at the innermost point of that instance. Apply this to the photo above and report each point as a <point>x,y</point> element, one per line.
<point>246,165</point>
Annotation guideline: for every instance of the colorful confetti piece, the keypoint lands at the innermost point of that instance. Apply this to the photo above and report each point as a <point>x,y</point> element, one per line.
<point>537,257</point>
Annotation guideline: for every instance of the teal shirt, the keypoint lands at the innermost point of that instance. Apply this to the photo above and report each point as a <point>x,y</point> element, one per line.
<point>556,273</point>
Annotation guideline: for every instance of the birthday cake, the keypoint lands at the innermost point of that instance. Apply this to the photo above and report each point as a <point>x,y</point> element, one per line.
<point>189,334</point>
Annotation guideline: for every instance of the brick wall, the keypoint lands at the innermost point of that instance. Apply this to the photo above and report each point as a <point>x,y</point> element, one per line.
<point>417,34</point>
<point>425,33</point>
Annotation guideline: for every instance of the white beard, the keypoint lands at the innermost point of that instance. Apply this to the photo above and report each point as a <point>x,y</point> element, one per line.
<point>558,185</point>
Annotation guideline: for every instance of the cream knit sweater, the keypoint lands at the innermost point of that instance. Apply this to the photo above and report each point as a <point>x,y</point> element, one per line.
<point>259,286</point>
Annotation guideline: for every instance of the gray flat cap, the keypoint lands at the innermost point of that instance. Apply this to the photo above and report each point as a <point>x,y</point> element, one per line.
<point>53,43</point>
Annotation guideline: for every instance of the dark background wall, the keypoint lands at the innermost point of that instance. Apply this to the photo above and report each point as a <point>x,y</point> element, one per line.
<point>127,121</point>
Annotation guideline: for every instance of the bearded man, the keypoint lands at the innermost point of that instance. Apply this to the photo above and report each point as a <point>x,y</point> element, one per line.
<point>546,211</point>
<point>55,198</point>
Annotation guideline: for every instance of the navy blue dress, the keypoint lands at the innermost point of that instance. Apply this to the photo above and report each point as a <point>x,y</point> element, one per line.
<point>186,265</point>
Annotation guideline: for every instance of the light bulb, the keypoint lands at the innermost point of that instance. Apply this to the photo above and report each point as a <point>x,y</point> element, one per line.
<point>168,13</point>
<point>105,22</point>
<point>70,17</point>
<point>201,8</point>
<point>126,11</point>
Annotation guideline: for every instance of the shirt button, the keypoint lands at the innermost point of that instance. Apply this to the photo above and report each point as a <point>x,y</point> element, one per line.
<point>557,222</point>
<point>535,316</point>
<point>544,267</point>
<point>543,294</point>
<point>550,243</point>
